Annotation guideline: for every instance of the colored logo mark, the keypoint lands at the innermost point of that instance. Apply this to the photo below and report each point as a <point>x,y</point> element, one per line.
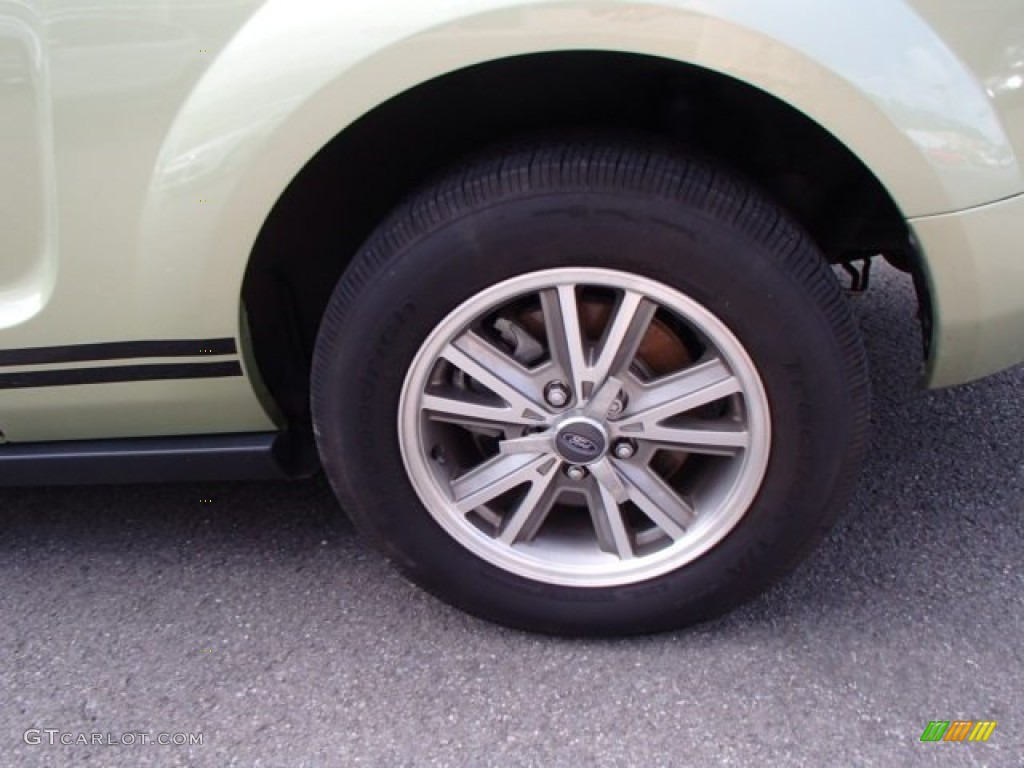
<point>958,730</point>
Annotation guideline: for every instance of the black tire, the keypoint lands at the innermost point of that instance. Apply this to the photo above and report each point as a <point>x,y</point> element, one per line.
<point>640,209</point>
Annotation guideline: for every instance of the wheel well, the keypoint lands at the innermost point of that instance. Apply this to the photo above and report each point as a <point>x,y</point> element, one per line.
<point>345,191</point>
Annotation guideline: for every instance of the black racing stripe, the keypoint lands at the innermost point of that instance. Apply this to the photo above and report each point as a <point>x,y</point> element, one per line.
<point>117,350</point>
<point>112,374</point>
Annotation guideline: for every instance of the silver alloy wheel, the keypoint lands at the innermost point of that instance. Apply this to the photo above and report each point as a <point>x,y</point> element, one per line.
<point>639,472</point>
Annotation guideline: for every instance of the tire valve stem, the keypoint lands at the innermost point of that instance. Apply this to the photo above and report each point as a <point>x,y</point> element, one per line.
<point>438,455</point>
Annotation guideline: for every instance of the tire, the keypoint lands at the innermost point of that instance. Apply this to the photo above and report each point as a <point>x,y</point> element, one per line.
<point>590,388</point>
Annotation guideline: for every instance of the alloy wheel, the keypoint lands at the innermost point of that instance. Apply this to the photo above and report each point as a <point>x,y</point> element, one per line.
<point>584,427</point>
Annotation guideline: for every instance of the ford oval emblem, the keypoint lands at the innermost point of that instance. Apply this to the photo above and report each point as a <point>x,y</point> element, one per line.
<point>580,443</point>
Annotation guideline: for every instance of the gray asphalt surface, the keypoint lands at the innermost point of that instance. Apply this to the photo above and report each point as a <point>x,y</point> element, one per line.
<point>253,614</point>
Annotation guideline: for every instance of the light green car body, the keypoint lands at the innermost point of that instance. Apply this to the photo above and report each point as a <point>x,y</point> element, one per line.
<point>143,145</point>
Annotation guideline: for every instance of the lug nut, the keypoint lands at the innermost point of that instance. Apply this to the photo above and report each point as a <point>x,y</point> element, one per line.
<point>575,473</point>
<point>624,449</point>
<point>557,394</point>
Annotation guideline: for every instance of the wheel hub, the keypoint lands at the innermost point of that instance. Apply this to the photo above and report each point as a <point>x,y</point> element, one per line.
<point>581,440</point>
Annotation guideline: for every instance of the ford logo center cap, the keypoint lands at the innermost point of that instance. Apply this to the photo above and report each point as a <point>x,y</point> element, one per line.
<point>581,443</point>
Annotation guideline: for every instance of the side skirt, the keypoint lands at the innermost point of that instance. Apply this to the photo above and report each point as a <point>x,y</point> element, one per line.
<point>262,456</point>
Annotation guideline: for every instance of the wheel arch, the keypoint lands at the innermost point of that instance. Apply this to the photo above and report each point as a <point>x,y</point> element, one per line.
<point>297,85</point>
<point>364,172</point>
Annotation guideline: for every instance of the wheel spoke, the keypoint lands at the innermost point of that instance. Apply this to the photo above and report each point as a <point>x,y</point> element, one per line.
<point>625,332</point>
<point>609,525</point>
<point>495,477</point>
<point>691,388</point>
<point>565,336</point>
<point>657,500</point>
<point>529,444</point>
<point>605,474</point>
<point>602,400</point>
<point>714,438</point>
<point>530,513</point>
<point>470,409</point>
<point>497,372</point>
<point>586,369</point>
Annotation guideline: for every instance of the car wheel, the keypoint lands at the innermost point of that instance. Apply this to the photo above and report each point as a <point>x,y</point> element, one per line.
<point>590,388</point>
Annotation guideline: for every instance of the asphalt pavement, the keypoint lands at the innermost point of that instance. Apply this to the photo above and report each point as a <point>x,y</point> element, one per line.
<point>251,617</point>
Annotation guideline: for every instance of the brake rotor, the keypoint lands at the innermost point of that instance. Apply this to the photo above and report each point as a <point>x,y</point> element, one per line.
<point>661,351</point>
